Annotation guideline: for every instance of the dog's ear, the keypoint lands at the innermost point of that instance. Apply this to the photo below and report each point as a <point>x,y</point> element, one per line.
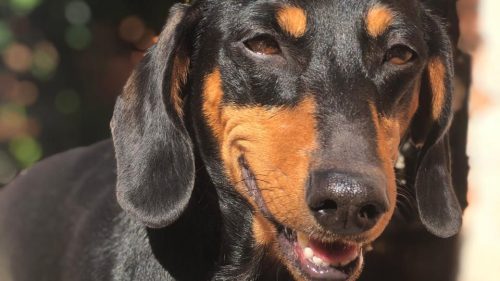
<point>154,153</point>
<point>437,203</point>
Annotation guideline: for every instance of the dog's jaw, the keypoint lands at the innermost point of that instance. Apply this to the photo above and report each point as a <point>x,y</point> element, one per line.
<point>305,256</point>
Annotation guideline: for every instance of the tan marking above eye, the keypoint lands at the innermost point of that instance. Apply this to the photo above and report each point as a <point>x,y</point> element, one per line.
<point>292,20</point>
<point>378,20</point>
<point>437,72</point>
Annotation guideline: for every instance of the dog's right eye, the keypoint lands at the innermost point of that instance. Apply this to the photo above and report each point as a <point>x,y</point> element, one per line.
<point>399,55</point>
<point>263,45</point>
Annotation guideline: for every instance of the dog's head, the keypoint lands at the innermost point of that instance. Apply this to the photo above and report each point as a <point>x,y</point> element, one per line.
<point>301,107</point>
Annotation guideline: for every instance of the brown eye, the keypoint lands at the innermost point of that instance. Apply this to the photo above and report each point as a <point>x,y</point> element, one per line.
<point>399,55</point>
<point>263,45</point>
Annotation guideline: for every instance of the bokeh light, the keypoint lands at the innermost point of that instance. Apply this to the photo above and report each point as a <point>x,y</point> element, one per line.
<point>8,168</point>
<point>132,29</point>
<point>13,121</point>
<point>78,37</point>
<point>45,60</point>
<point>18,57</point>
<point>21,93</point>
<point>26,150</point>
<point>7,83</point>
<point>5,35</point>
<point>56,58</point>
<point>26,93</point>
<point>77,13</point>
<point>23,6</point>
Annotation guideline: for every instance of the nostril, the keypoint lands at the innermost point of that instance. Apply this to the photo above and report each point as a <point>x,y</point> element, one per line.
<point>369,213</point>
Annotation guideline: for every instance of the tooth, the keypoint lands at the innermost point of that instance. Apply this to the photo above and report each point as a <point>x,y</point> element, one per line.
<point>325,264</point>
<point>308,253</point>
<point>317,261</point>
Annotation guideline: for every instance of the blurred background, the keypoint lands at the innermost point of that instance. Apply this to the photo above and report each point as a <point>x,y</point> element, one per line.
<point>480,25</point>
<point>63,62</point>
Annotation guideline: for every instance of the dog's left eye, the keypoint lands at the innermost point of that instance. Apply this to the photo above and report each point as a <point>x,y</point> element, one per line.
<point>399,55</point>
<point>263,45</point>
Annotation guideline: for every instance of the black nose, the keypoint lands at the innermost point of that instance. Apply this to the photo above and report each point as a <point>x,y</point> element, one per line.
<point>346,204</point>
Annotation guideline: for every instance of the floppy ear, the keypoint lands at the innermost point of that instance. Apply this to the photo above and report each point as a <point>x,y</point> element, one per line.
<point>438,206</point>
<point>154,153</point>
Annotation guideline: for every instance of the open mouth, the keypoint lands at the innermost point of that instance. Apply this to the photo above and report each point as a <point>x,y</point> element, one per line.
<point>315,259</point>
<point>319,260</point>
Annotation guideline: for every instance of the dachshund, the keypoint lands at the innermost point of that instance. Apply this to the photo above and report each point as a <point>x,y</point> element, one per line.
<point>257,140</point>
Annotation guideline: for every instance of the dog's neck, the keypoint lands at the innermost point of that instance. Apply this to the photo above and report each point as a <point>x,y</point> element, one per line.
<point>239,257</point>
<point>215,235</point>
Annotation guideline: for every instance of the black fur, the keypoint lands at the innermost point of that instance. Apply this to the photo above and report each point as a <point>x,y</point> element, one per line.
<point>439,212</point>
<point>153,151</point>
<point>177,216</point>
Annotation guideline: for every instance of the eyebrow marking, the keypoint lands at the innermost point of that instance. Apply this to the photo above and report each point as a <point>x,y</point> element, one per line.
<point>378,19</point>
<point>292,20</point>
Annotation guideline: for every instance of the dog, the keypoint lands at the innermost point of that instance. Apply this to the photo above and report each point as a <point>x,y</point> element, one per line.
<point>257,140</point>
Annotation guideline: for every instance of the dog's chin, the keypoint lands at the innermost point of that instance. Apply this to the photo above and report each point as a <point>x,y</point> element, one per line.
<point>313,259</point>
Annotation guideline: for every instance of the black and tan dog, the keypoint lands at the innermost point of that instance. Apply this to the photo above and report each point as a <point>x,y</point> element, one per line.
<point>256,141</point>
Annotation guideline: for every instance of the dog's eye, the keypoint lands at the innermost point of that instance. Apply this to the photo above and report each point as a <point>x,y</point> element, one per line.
<point>263,45</point>
<point>399,55</point>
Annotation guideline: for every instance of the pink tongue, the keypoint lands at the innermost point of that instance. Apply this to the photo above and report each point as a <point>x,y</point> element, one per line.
<point>333,253</point>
